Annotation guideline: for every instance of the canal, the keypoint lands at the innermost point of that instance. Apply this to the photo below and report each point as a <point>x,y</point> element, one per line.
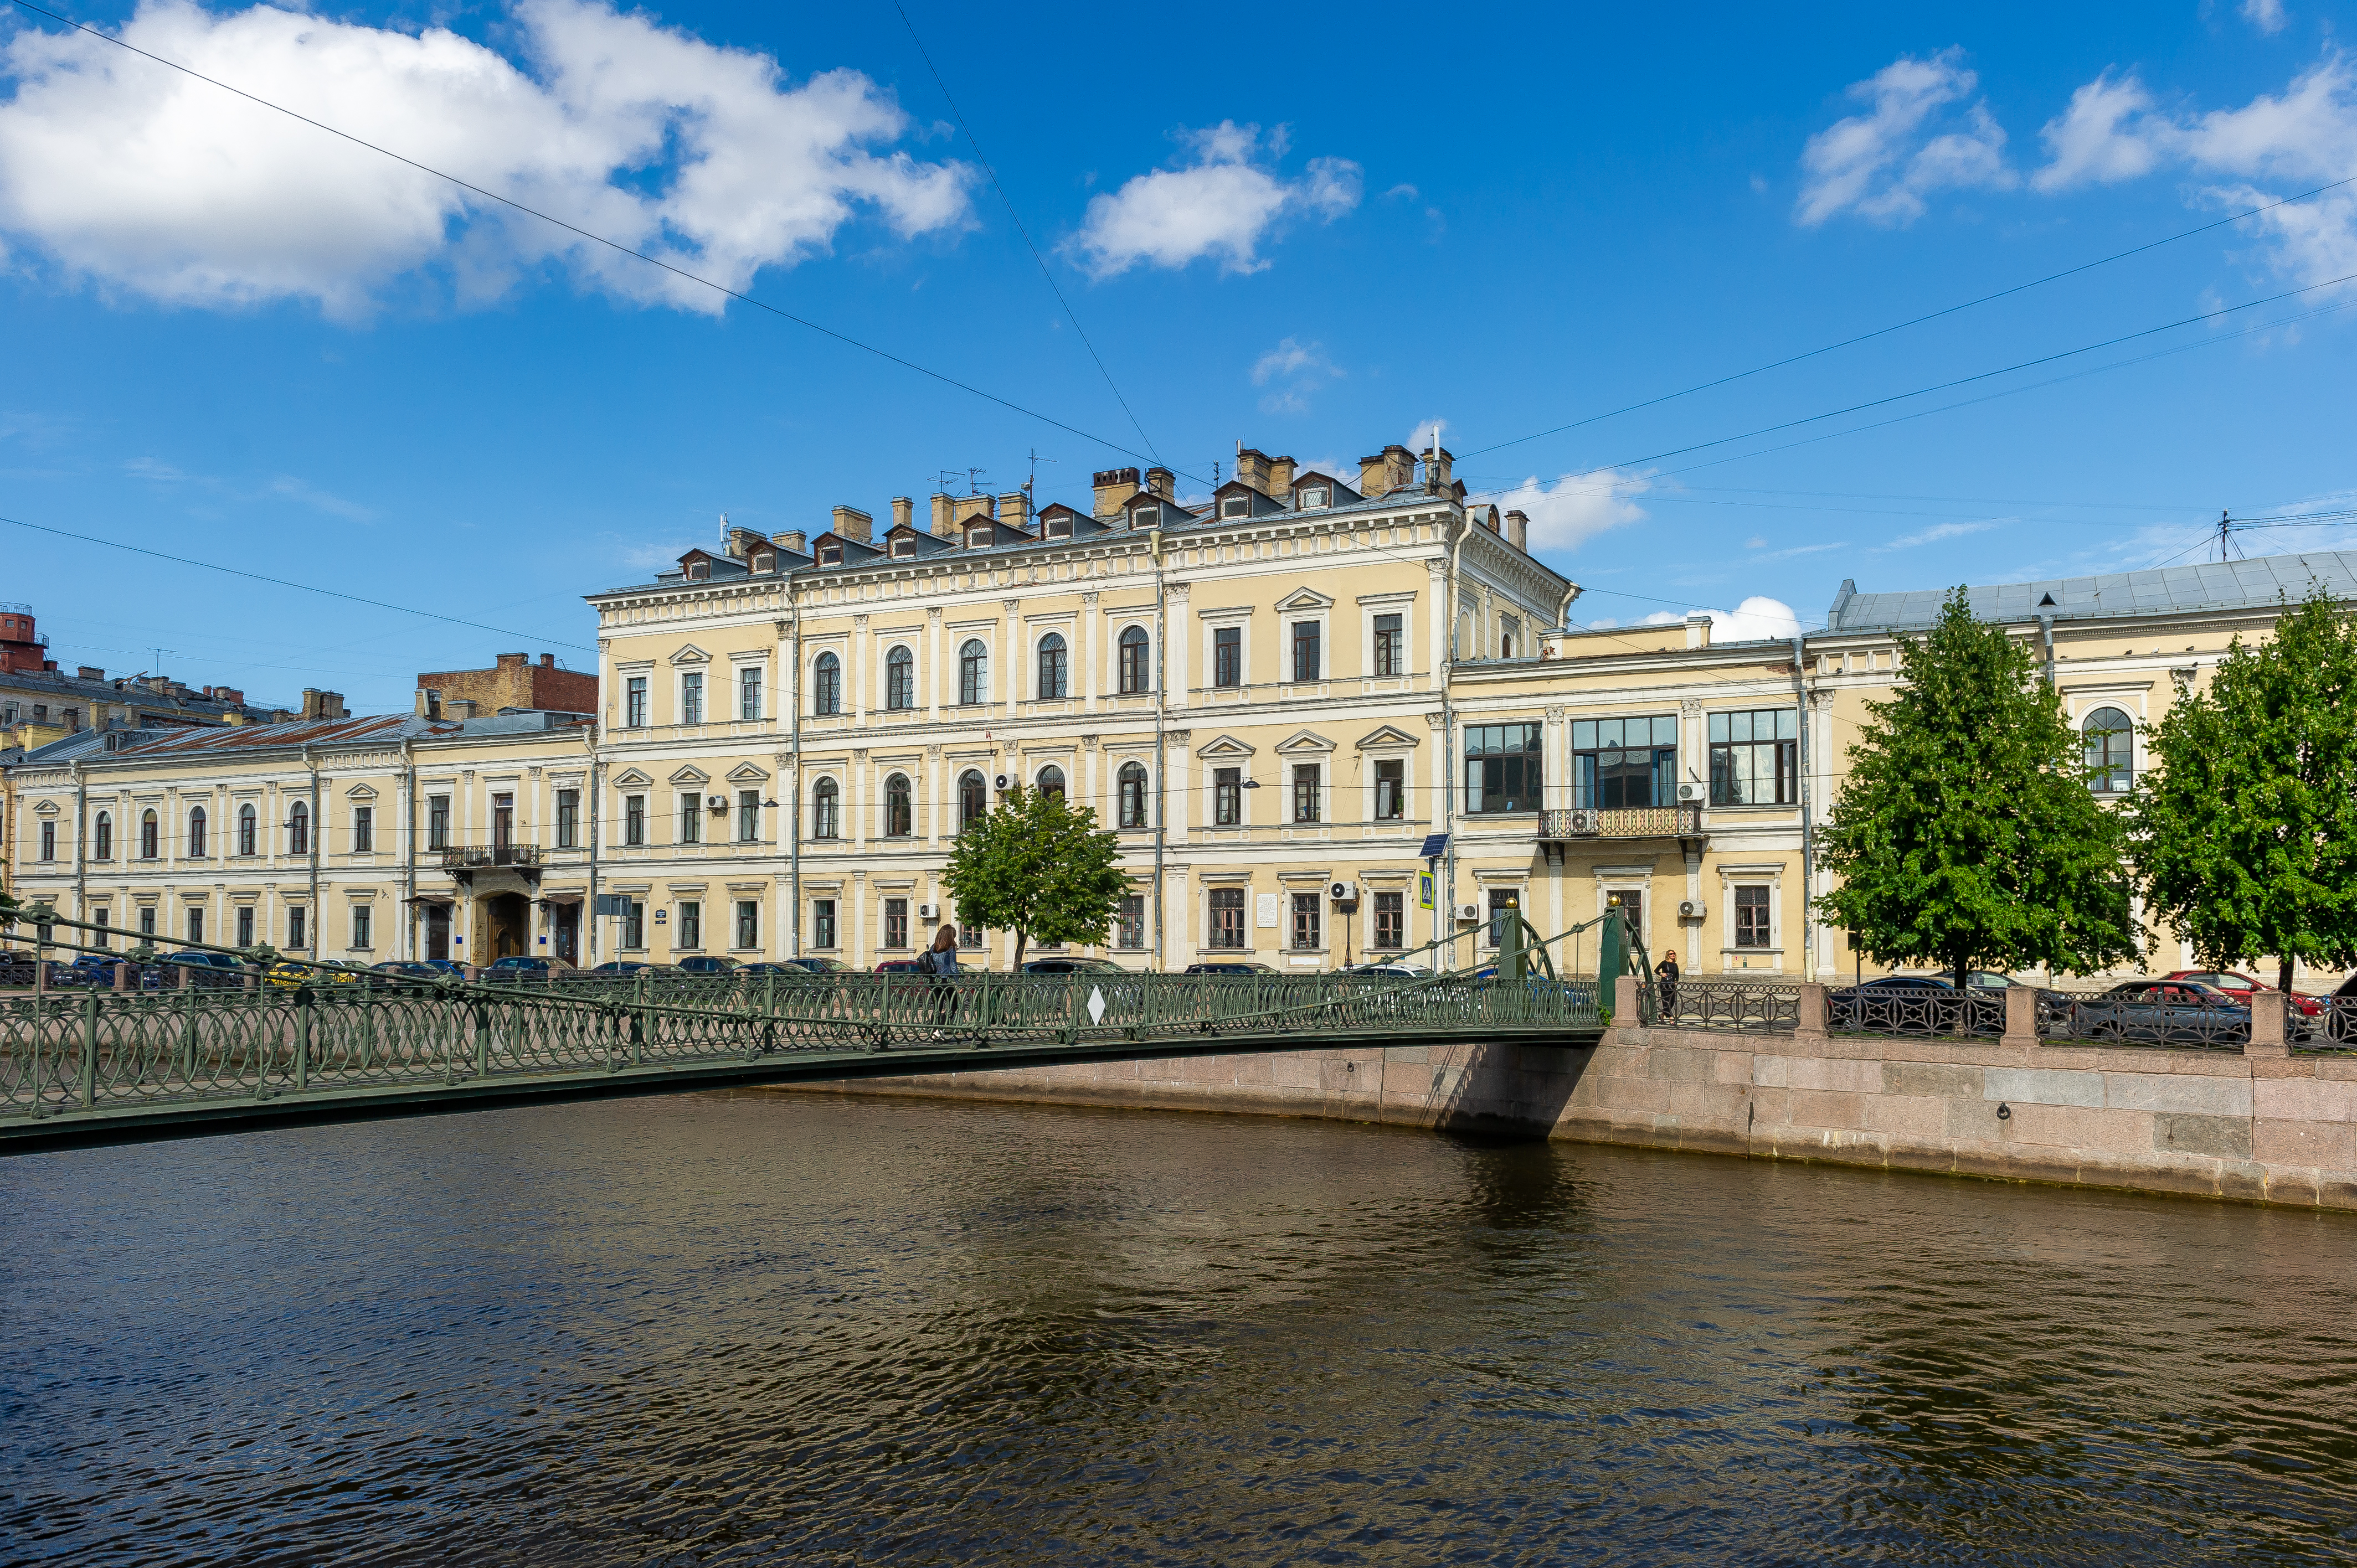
<point>771,1328</point>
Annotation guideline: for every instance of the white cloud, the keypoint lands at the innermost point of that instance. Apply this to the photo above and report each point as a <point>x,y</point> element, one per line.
<point>2098,138</point>
<point>1297,369</point>
<point>1753,619</point>
<point>2267,16</point>
<point>1937,532</point>
<point>149,182</point>
<point>1881,164</point>
<point>1224,204</point>
<point>1427,433</point>
<point>1576,507</point>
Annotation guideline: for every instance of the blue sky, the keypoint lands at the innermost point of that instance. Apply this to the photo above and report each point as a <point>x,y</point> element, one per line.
<point>232,337</point>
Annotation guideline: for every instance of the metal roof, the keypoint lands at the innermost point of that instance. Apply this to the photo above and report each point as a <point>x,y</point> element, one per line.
<point>2262,581</point>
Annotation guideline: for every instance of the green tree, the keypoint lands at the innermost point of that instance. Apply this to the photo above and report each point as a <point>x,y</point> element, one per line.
<point>2246,838</point>
<point>1039,867</point>
<point>1965,834</point>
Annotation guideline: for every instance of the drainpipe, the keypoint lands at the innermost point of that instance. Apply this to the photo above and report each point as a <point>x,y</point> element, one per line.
<point>81,842</point>
<point>408,850</point>
<point>794,800</point>
<point>1808,833</point>
<point>316,828</point>
<point>1445,918</point>
<point>589,916</point>
<point>2046,634</point>
<point>1161,706</point>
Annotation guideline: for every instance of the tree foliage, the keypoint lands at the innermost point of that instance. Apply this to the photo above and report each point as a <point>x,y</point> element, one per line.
<point>2246,828</point>
<point>1965,834</point>
<point>1040,867</point>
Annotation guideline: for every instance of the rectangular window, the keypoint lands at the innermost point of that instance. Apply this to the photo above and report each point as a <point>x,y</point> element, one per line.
<point>634,820</point>
<point>748,816</point>
<point>1504,902</point>
<point>1390,791</point>
<point>1501,768</point>
<point>690,933</point>
<point>691,698</point>
<point>1228,656</point>
<point>360,924</point>
<point>748,693</point>
<point>1509,637</point>
<point>1307,907</point>
<point>297,933</point>
<point>969,935</point>
<point>1227,797</point>
<point>568,819</point>
<point>1132,926</point>
<point>1391,645</point>
<point>1391,920</point>
<point>1751,918</point>
<point>98,917</point>
<point>1754,757</point>
<point>437,822</point>
<point>48,841</point>
<point>1308,807</point>
<point>634,924</point>
<point>691,823</point>
<point>1228,918</point>
<point>147,920</point>
<point>196,925</point>
<point>244,925</point>
<point>822,922</point>
<point>895,922</point>
<point>363,829</point>
<point>634,703</point>
<point>1624,762</point>
<point>1305,650</point>
<point>748,923</point>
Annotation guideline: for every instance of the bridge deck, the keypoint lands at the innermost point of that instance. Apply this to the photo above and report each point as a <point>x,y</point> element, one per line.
<point>103,1067</point>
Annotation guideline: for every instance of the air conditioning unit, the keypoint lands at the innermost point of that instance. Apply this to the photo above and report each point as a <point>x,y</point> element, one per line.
<point>1690,794</point>
<point>1343,892</point>
<point>1004,782</point>
<point>1689,910</point>
<point>929,911</point>
<point>1469,911</point>
<point>1586,822</point>
<point>717,804</point>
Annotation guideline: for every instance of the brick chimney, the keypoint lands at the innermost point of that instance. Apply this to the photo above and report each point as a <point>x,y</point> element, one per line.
<point>1252,468</point>
<point>853,524</point>
<point>1438,461</point>
<point>944,524</point>
<point>1161,481</point>
<point>1518,532</point>
<point>904,513</point>
<point>89,672</point>
<point>1114,489</point>
<point>794,540</point>
<point>1280,479</point>
<point>318,704</point>
<point>1015,507</point>
<point>1392,469</point>
<point>970,508</point>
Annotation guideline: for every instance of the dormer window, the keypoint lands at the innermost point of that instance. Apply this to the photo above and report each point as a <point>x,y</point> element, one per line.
<point>1236,506</point>
<point>903,547</point>
<point>1146,517</point>
<point>765,563</point>
<point>1056,527</point>
<point>697,571</point>
<point>830,555</point>
<point>1313,496</point>
<point>978,537</point>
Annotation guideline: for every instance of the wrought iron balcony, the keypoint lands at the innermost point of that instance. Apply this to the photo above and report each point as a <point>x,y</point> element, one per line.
<point>1563,823</point>
<point>490,855</point>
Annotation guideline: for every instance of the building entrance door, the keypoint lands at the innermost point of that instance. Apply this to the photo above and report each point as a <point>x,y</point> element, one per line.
<point>566,939</point>
<point>437,930</point>
<point>1632,904</point>
<point>507,920</point>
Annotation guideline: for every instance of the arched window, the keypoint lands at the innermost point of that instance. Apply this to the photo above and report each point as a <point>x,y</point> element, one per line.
<point>102,837</point>
<point>898,820</point>
<point>1133,794</point>
<point>1133,661</point>
<point>826,810</point>
<point>247,839</point>
<point>299,829</point>
<point>2110,751</point>
<point>899,680</point>
<point>974,671</point>
<point>826,685</point>
<point>973,799</point>
<point>196,831</point>
<point>149,835</point>
<point>1051,780</point>
<point>1051,668</point>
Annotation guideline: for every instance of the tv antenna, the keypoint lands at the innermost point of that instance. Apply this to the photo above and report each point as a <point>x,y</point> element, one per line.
<point>1031,485</point>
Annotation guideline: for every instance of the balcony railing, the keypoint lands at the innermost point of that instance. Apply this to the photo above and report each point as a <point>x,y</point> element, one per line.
<point>467,859</point>
<point>1557,823</point>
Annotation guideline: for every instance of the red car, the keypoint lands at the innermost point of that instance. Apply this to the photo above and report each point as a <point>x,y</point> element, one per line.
<point>2241,988</point>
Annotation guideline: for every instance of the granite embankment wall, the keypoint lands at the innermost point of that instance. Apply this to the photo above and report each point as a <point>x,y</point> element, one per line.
<point>2261,1126</point>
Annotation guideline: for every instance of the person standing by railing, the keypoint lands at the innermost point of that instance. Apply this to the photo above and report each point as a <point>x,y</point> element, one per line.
<point>1666,972</point>
<point>941,961</point>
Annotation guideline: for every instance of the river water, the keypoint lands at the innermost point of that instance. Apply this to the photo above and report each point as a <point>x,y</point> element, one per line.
<point>793,1328</point>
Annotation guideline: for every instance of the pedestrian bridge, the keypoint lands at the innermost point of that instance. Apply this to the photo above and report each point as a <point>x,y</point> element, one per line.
<point>102,1065</point>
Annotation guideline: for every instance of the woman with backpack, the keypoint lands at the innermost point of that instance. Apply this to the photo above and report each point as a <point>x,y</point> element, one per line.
<point>940,960</point>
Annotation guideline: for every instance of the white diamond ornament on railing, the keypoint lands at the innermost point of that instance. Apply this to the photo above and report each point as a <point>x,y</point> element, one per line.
<point>1096,1004</point>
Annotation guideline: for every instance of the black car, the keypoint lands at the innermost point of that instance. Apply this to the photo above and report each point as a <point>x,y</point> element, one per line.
<point>209,970</point>
<point>706,965</point>
<point>2163,1012</point>
<point>1915,1004</point>
<point>1228,966</point>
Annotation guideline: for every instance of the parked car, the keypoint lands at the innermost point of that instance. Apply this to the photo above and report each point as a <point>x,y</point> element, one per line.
<point>2163,1012</point>
<point>407,974</point>
<point>1916,1004</point>
<point>518,968</point>
<point>209,970</point>
<point>2241,988</point>
<point>1071,966</point>
<point>707,963</point>
<point>814,965</point>
<point>622,969</point>
<point>898,966</point>
<point>2340,1010</point>
<point>1392,966</point>
<point>97,971</point>
<point>286,975</point>
<point>1228,966</point>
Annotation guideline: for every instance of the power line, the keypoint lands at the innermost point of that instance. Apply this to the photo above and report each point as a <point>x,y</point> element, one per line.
<point>1009,202</point>
<point>284,582</point>
<point>616,245</point>
<point>1914,321</point>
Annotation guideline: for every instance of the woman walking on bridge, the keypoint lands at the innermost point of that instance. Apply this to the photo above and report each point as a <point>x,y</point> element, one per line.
<point>940,960</point>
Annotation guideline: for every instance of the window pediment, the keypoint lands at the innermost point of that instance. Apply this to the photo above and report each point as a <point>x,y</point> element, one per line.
<point>691,654</point>
<point>1305,598</point>
<point>690,775</point>
<point>1383,737</point>
<point>746,773</point>
<point>631,775</point>
<point>1303,741</point>
<point>1225,745</point>
<point>359,792</point>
